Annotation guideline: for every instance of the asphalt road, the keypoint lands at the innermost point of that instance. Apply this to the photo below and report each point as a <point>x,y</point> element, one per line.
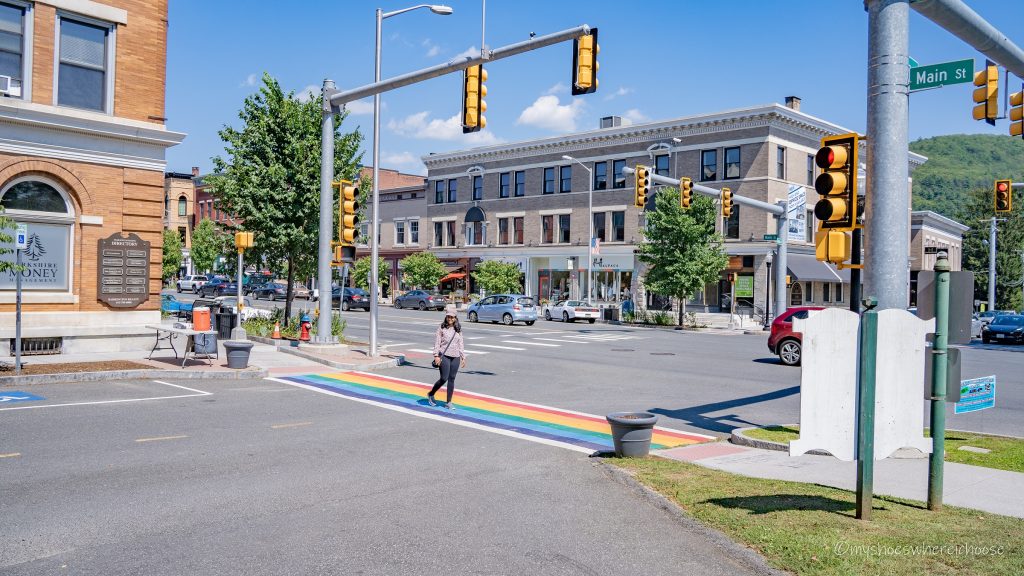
<point>709,382</point>
<point>261,478</point>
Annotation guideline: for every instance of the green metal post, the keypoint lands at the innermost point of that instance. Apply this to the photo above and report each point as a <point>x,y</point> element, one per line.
<point>940,363</point>
<point>866,411</point>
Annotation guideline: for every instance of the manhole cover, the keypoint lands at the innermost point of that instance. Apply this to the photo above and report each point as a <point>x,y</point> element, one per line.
<point>622,350</point>
<point>663,353</point>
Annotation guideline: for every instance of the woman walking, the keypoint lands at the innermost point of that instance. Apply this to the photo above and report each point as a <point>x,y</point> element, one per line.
<point>449,354</point>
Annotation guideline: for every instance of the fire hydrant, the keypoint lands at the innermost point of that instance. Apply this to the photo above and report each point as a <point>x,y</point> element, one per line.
<point>304,324</point>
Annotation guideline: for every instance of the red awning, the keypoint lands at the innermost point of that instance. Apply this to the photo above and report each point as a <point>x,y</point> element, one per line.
<point>453,276</point>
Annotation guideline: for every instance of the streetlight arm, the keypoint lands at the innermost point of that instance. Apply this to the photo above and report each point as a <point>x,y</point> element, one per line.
<point>433,7</point>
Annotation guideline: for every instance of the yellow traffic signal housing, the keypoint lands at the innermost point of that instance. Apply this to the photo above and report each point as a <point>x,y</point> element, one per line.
<point>473,103</point>
<point>348,213</point>
<point>1003,195</point>
<point>726,203</point>
<point>685,192</point>
<point>338,255</point>
<point>832,246</point>
<point>1016,113</point>
<point>837,184</point>
<point>584,63</point>
<point>986,95</point>
<point>243,240</point>
<point>642,185</point>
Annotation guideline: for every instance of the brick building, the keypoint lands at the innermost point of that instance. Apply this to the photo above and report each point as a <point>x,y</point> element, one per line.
<point>82,158</point>
<point>179,210</point>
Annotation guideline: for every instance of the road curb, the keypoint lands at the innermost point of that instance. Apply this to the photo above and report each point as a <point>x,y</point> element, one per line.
<point>393,362</point>
<point>70,377</point>
<point>732,549</point>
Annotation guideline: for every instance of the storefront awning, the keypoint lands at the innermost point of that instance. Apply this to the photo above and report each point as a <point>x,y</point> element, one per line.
<point>453,276</point>
<point>807,268</point>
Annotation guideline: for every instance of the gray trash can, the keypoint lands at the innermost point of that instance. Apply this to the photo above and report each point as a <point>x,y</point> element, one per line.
<point>226,319</point>
<point>206,344</point>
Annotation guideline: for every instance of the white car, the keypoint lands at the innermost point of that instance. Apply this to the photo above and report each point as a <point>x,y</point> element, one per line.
<point>248,310</point>
<point>191,284</point>
<point>571,311</point>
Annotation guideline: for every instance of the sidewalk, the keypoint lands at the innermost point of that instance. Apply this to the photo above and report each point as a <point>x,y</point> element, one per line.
<point>987,489</point>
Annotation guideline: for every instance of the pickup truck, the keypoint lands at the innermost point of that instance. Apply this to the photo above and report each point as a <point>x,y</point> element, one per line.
<point>191,284</point>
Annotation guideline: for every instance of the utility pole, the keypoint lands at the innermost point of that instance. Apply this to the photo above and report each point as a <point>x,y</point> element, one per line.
<point>992,264</point>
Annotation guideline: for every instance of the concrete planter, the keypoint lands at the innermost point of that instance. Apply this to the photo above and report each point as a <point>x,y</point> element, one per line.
<point>238,353</point>
<point>631,433</point>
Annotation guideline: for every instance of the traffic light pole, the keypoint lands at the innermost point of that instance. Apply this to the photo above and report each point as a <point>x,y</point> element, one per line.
<point>780,211</point>
<point>323,326</point>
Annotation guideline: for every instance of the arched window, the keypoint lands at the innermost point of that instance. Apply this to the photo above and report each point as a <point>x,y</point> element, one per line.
<point>49,215</point>
<point>796,295</point>
<point>182,206</point>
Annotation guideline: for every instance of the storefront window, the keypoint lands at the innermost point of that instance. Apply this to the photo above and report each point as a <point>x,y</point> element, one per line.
<point>50,218</point>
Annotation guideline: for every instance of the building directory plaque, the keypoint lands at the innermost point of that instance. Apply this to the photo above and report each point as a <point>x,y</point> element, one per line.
<point>123,271</point>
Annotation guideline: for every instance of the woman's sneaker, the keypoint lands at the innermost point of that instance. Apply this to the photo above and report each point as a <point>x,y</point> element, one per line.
<point>430,400</point>
<point>450,406</point>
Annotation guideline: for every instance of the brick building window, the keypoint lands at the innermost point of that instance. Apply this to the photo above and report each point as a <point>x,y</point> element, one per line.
<point>182,206</point>
<point>600,175</point>
<point>439,192</point>
<point>414,231</point>
<point>618,176</point>
<point>732,163</point>
<point>399,232</point>
<point>453,194</point>
<point>503,185</point>
<point>520,183</point>
<point>732,225</point>
<point>661,165</point>
<point>565,179</point>
<point>619,226</point>
<point>780,163</point>
<point>810,170</point>
<point>478,187</point>
<point>503,231</point>
<point>599,226</point>
<point>84,57</point>
<point>563,228</point>
<point>549,180</point>
<point>708,165</point>
<point>547,225</point>
<point>12,47</point>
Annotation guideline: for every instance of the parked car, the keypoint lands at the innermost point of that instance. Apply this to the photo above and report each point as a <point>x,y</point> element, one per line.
<point>783,341</point>
<point>1004,328</point>
<point>248,310</point>
<point>572,310</point>
<point>218,287</point>
<point>990,315</point>
<point>354,298</point>
<point>504,308</point>
<point>421,299</point>
<point>253,283</point>
<point>270,291</point>
<point>976,326</point>
<point>171,305</point>
<point>191,283</point>
<point>298,289</point>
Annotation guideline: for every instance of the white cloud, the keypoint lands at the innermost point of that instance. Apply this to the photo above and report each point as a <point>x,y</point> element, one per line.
<point>633,116</point>
<point>362,107</point>
<point>546,112</point>
<point>622,91</point>
<point>308,93</point>
<point>408,160</point>
<point>471,51</point>
<point>558,88</point>
<point>421,127</point>
<point>250,80</point>
<point>432,49</point>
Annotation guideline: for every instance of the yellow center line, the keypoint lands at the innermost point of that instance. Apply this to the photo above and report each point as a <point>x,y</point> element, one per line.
<point>11,455</point>
<point>292,425</point>
<point>159,438</point>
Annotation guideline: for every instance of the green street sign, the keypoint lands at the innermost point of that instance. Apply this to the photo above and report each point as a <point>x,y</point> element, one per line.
<point>768,237</point>
<point>938,75</point>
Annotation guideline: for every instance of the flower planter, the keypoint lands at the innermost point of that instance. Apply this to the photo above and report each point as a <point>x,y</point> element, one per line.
<point>238,353</point>
<point>631,433</point>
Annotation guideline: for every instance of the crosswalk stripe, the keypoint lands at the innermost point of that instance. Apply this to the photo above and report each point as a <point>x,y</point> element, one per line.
<point>499,347</point>
<point>431,352</point>
<point>563,340</point>
<point>529,343</point>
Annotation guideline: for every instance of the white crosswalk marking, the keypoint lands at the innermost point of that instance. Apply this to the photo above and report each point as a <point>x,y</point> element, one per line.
<point>602,337</point>
<point>425,351</point>
<point>499,347</point>
<point>563,340</point>
<point>529,343</point>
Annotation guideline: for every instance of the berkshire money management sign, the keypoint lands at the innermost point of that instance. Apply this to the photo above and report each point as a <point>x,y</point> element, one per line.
<point>45,258</point>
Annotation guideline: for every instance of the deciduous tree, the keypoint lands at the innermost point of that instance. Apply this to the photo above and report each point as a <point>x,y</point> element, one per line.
<point>207,245</point>
<point>172,257</point>
<point>361,272</point>
<point>422,270</point>
<point>495,277</point>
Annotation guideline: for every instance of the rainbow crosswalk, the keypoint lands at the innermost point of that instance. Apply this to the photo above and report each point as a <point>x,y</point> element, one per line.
<point>568,429</point>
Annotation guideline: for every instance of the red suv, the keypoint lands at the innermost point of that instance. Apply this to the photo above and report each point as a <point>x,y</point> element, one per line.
<point>782,340</point>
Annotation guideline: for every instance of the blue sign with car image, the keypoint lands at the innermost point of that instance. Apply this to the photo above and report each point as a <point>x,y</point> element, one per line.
<point>976,394</point>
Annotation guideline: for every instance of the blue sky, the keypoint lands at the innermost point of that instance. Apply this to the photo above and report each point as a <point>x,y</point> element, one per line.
<point>658,60</point>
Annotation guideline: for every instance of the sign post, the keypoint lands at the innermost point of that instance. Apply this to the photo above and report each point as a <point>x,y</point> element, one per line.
<point>20,243</point>
<point>866,410</point>
<point>940,363</point>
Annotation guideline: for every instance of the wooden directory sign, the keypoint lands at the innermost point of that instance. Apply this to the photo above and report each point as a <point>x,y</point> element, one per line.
<point>123,267</point>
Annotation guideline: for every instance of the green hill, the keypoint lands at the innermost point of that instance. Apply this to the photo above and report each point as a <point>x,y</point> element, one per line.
<point>960,163</point>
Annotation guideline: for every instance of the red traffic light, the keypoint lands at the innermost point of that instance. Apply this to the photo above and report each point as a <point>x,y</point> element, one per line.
<point>1002,187</point>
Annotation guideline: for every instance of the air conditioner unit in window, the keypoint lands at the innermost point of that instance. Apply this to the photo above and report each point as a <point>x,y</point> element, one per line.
<point>5,84</point>
<point>9,86</point>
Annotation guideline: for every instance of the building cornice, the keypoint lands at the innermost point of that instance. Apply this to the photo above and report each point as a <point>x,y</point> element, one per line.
<point>27,114</point>
<point>936,221</point>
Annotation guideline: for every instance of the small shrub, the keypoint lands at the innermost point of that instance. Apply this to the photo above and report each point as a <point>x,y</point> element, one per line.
<point>661,318</point>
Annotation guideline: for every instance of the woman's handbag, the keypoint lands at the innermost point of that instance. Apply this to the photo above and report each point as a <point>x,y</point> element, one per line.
<point>437,363</point>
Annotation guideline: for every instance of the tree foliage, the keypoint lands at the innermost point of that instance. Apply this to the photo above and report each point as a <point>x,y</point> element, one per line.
<point>172,257</point>
<point>270,178</point>
<point>681,246</point>
<point>422,270</point>
<point>497,277</point>
<point>361,272</point>
<point>207,245</point>
<point>976,206</point>
<point>6,262</point>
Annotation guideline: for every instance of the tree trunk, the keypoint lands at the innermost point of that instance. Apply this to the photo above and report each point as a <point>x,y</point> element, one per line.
<point>289,293</point>
<point>682,310</point>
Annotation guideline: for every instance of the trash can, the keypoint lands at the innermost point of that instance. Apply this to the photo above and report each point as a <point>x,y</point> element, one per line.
<point>611,314</point>
<point>205,344</point>
<point>225,322</point>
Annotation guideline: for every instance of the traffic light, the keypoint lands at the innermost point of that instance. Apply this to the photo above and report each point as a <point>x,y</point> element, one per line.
<point>473,103</point>
<point>643,185</point>
<point>837,183</point>
<point>1016,113</point>
<point>1003,197</point>
<point>685,192</point>
<point>348,220</point>
<point>832,246</point>
<point>986,95</point>
<point>726,203</point>
<point>584,63</point>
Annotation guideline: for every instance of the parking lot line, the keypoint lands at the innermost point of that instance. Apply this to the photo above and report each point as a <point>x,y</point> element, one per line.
<point>289,425</point>
<point>155,438</point>
<point>197,393</point>
<point>11,455</point>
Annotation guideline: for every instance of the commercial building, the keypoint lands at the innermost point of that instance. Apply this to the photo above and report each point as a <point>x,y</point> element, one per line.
<point>82,160</point>
<point>523,203</point>
<point>179,211</point>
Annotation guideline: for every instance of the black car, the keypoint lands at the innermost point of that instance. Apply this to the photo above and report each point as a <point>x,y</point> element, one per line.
<point>1004,328</point>
<point>218,287</point>
<point>354,298</point>
<point>271,291</point>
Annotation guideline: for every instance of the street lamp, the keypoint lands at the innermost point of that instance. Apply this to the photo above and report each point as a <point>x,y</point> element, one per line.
<point>768,291</point>
<point>374,214</point>
<point>590,217</point>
